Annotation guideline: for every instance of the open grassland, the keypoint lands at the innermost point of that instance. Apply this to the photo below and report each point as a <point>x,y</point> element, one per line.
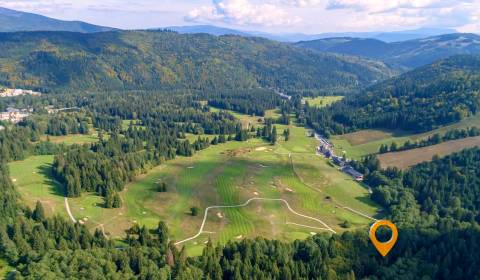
<point>365,142</point>
<point>322,101</point>
<point>72,138</point>
<point>231,174</point>
<point>409,158</point>
<point>226,174</point>
<point>249,120</point>
<point>33,179</point>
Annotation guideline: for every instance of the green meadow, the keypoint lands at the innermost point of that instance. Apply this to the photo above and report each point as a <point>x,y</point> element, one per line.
<point>221,175</point>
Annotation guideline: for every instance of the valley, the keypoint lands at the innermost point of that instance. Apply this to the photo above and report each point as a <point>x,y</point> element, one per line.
<point>225,174</point>
<point>203,152</point>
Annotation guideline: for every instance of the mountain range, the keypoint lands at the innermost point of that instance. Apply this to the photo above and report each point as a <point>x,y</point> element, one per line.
<point>406,54</point>
<point>296,37</point>
<point>12,21</point>
<point>152,60</point>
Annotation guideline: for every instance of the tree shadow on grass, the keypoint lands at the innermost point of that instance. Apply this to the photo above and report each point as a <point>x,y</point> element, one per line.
<point>55,187</point>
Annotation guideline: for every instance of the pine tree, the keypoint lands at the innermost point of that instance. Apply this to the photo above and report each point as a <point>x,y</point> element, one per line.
<point>39,212</point>
<point>273,138</point>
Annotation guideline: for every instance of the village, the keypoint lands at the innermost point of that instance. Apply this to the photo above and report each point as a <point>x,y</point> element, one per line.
<point>12,92</point>
<point>13,115</point>
<point>326,149</point>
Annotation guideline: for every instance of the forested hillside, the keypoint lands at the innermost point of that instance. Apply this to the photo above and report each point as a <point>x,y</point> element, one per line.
<point>408,54</point>
<point>421,100</point>
<point>167,60</point>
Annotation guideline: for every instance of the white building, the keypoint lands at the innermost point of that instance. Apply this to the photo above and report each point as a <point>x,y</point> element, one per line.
<point>12,92</point>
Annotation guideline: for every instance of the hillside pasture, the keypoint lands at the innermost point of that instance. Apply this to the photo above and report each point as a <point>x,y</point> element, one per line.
<point>405,159</point>
<point>33,179</point>
<point>224,174</point>
<point>231,174</point>
<point>322,101</point>
<point>71,139</point>
<point>365,142</point>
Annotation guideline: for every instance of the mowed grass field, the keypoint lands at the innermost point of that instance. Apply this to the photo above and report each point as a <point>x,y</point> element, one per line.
<point>323,101</point>
<point>405,159</point>
<point>226,174</point>
<point>73,138</point>
<point>33,179</point>
<point>365,142</point>
<point>232,173</point>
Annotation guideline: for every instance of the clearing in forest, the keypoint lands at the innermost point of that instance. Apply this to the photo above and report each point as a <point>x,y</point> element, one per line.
<point>322,101</point>
<point>225,174</point>
<point>405,159</point>
<point>365,142</point>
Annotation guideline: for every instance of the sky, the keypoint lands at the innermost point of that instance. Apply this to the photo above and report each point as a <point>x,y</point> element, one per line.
<point>278,16</point>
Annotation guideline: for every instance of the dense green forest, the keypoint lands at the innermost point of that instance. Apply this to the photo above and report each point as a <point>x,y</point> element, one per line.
<point>168,60</point>
<point>441,93</point>
<point>435,205</point>
<point>53,248</point>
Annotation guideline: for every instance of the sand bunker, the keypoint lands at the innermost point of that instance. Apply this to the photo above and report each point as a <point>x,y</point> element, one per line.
<point>261,149</point>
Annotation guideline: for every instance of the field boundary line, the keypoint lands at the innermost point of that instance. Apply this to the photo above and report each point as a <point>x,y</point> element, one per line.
<point>359,213</point>
<point>300,225</point>
<point>200,231</point>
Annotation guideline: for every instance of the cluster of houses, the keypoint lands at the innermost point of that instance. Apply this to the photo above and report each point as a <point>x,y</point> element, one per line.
<point>12,92</point>
<point>13,115</point>
<point>326,148</point>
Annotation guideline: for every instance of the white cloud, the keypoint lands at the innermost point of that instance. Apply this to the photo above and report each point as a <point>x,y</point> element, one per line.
<point>407,13</point>
<point>242,12</point>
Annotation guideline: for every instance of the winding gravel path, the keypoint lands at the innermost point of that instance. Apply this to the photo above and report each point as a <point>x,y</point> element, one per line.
<point>67,206</point>
<point>245,204</point>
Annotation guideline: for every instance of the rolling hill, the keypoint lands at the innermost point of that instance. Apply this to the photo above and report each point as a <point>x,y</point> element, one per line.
<point>12,21</point>
<point>149,60</point>
<point>409,54</point>
<point>435,95</point>
<point>394,36</point>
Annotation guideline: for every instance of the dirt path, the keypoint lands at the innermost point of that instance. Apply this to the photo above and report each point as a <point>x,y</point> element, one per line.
<point>67,206</point>
<point>245,204</point>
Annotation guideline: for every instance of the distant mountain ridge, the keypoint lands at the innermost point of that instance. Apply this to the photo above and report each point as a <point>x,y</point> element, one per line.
<point>152,60</point>
<point>410,54</point>
<point>13,21</point>
<point>296,37</point>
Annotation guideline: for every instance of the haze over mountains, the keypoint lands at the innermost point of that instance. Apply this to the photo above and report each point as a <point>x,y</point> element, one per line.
<point>409,54</point>
<point>12,21</point>
<point>296,37</point>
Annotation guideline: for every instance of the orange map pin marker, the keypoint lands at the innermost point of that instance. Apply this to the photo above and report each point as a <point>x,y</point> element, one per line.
<point>383,247</point>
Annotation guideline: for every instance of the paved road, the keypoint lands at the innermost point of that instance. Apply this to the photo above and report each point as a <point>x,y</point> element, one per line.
<point>245,204</point>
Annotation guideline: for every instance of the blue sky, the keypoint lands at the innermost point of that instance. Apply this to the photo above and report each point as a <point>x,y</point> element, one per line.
<point>280,16</point>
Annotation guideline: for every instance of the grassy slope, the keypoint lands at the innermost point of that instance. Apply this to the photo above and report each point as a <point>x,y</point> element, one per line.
<point>322,101</point>
<point>234,172</point>
<point>225,174</point>
<point>73,138</point>
<point>32,177</point>
<point>405,159</point>
<point>366,142</point>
